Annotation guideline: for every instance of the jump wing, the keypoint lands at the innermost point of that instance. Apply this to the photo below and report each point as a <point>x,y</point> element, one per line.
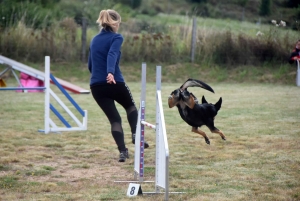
<point>195,83</point>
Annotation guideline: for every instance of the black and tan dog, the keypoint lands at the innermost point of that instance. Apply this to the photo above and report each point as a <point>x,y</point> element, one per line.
<point>193,113</point>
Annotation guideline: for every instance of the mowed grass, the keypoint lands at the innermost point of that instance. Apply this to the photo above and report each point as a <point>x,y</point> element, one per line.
<point>260,159</point>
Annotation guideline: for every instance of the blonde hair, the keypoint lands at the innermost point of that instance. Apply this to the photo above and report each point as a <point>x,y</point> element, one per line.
<point>108,19</point>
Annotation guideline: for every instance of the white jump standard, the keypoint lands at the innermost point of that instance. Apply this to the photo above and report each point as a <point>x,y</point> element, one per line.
<point>162,147</point>
<point>50,126</point>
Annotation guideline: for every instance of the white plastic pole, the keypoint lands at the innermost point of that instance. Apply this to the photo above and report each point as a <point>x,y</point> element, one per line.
<point>298,74</point>
<point>140,131</point>
<point>79,124</point>
<point>143,108</point>
<point>148,124</point>
<point>47,94</point>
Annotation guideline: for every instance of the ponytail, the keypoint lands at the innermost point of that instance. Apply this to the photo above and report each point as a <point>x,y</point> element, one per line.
<point>108,19</point>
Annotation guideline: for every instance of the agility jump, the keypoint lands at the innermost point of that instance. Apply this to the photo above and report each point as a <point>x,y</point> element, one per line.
<point>50,126</point>
<point>162,147</point>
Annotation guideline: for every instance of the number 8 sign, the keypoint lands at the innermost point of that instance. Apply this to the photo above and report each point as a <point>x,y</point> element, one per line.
<point>134,190</point>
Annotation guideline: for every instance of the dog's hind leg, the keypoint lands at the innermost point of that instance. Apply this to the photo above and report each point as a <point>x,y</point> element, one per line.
<point>215,130</point>
<point>200,132</point>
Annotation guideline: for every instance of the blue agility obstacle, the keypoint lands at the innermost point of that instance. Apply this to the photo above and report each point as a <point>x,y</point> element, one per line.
<point>50,126</point>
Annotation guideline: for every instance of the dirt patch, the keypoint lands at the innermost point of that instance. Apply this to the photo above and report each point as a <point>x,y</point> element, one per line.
<point>69,174</point>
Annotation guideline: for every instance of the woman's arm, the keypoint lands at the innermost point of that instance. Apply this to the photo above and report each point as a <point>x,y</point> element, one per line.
<point>113,53</point>
<point>294,56</point>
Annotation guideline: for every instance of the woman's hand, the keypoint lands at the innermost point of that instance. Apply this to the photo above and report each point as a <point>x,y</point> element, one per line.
<point>296,58</point>
<point>110,79</point>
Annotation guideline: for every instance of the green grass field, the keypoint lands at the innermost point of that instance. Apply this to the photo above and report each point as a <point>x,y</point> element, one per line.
<point>259,160</point>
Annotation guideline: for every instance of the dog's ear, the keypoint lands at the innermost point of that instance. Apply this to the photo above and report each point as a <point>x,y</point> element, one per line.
<point>190,102</point>
<point>218,104</point>
<point>195,98</point>
<point>203,100</point>
<point>195,83</point>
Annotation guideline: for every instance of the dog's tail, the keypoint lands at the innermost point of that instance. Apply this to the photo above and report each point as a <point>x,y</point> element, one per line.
<point>218,104</point>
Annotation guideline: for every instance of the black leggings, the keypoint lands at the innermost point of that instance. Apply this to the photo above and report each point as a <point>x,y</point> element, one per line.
<point>105,95</point>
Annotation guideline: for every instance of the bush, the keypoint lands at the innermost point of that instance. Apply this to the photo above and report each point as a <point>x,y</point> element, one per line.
<point>144,41</point>
<point>132,3</point>
<point>148,47</point>
<point>199,1</point>
<point>59,41</point>
<point>243,50</point>
<point>292,3</point>
<point>33,13</point>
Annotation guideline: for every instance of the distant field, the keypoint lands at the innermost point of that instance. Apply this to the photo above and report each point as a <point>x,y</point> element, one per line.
<point>259,160</point>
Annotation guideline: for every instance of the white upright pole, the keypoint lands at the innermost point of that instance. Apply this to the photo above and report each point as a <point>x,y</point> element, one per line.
<point>47,94</point>
<point>157,151</point>
<point>298,74</point>
<point>142,136</point>
<point>140,131</point>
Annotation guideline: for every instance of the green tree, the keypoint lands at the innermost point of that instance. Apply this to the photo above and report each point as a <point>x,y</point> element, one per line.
<point>78,9</point>
<point>292,3</point>
<point>132,3</point>
<point>136,3</point>
<point>265,7</point>
<point>243,3</point>
<point>199,1</point>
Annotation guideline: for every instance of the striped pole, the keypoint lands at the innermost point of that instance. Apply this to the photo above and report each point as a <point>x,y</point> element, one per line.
<point>143,107</point>
<point>148,124</point>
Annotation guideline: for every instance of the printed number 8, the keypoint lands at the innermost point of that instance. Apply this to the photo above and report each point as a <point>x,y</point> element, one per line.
<point>132,190</point>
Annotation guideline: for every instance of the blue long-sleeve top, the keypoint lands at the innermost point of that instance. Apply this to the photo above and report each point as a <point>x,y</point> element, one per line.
<point>104,57</point>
